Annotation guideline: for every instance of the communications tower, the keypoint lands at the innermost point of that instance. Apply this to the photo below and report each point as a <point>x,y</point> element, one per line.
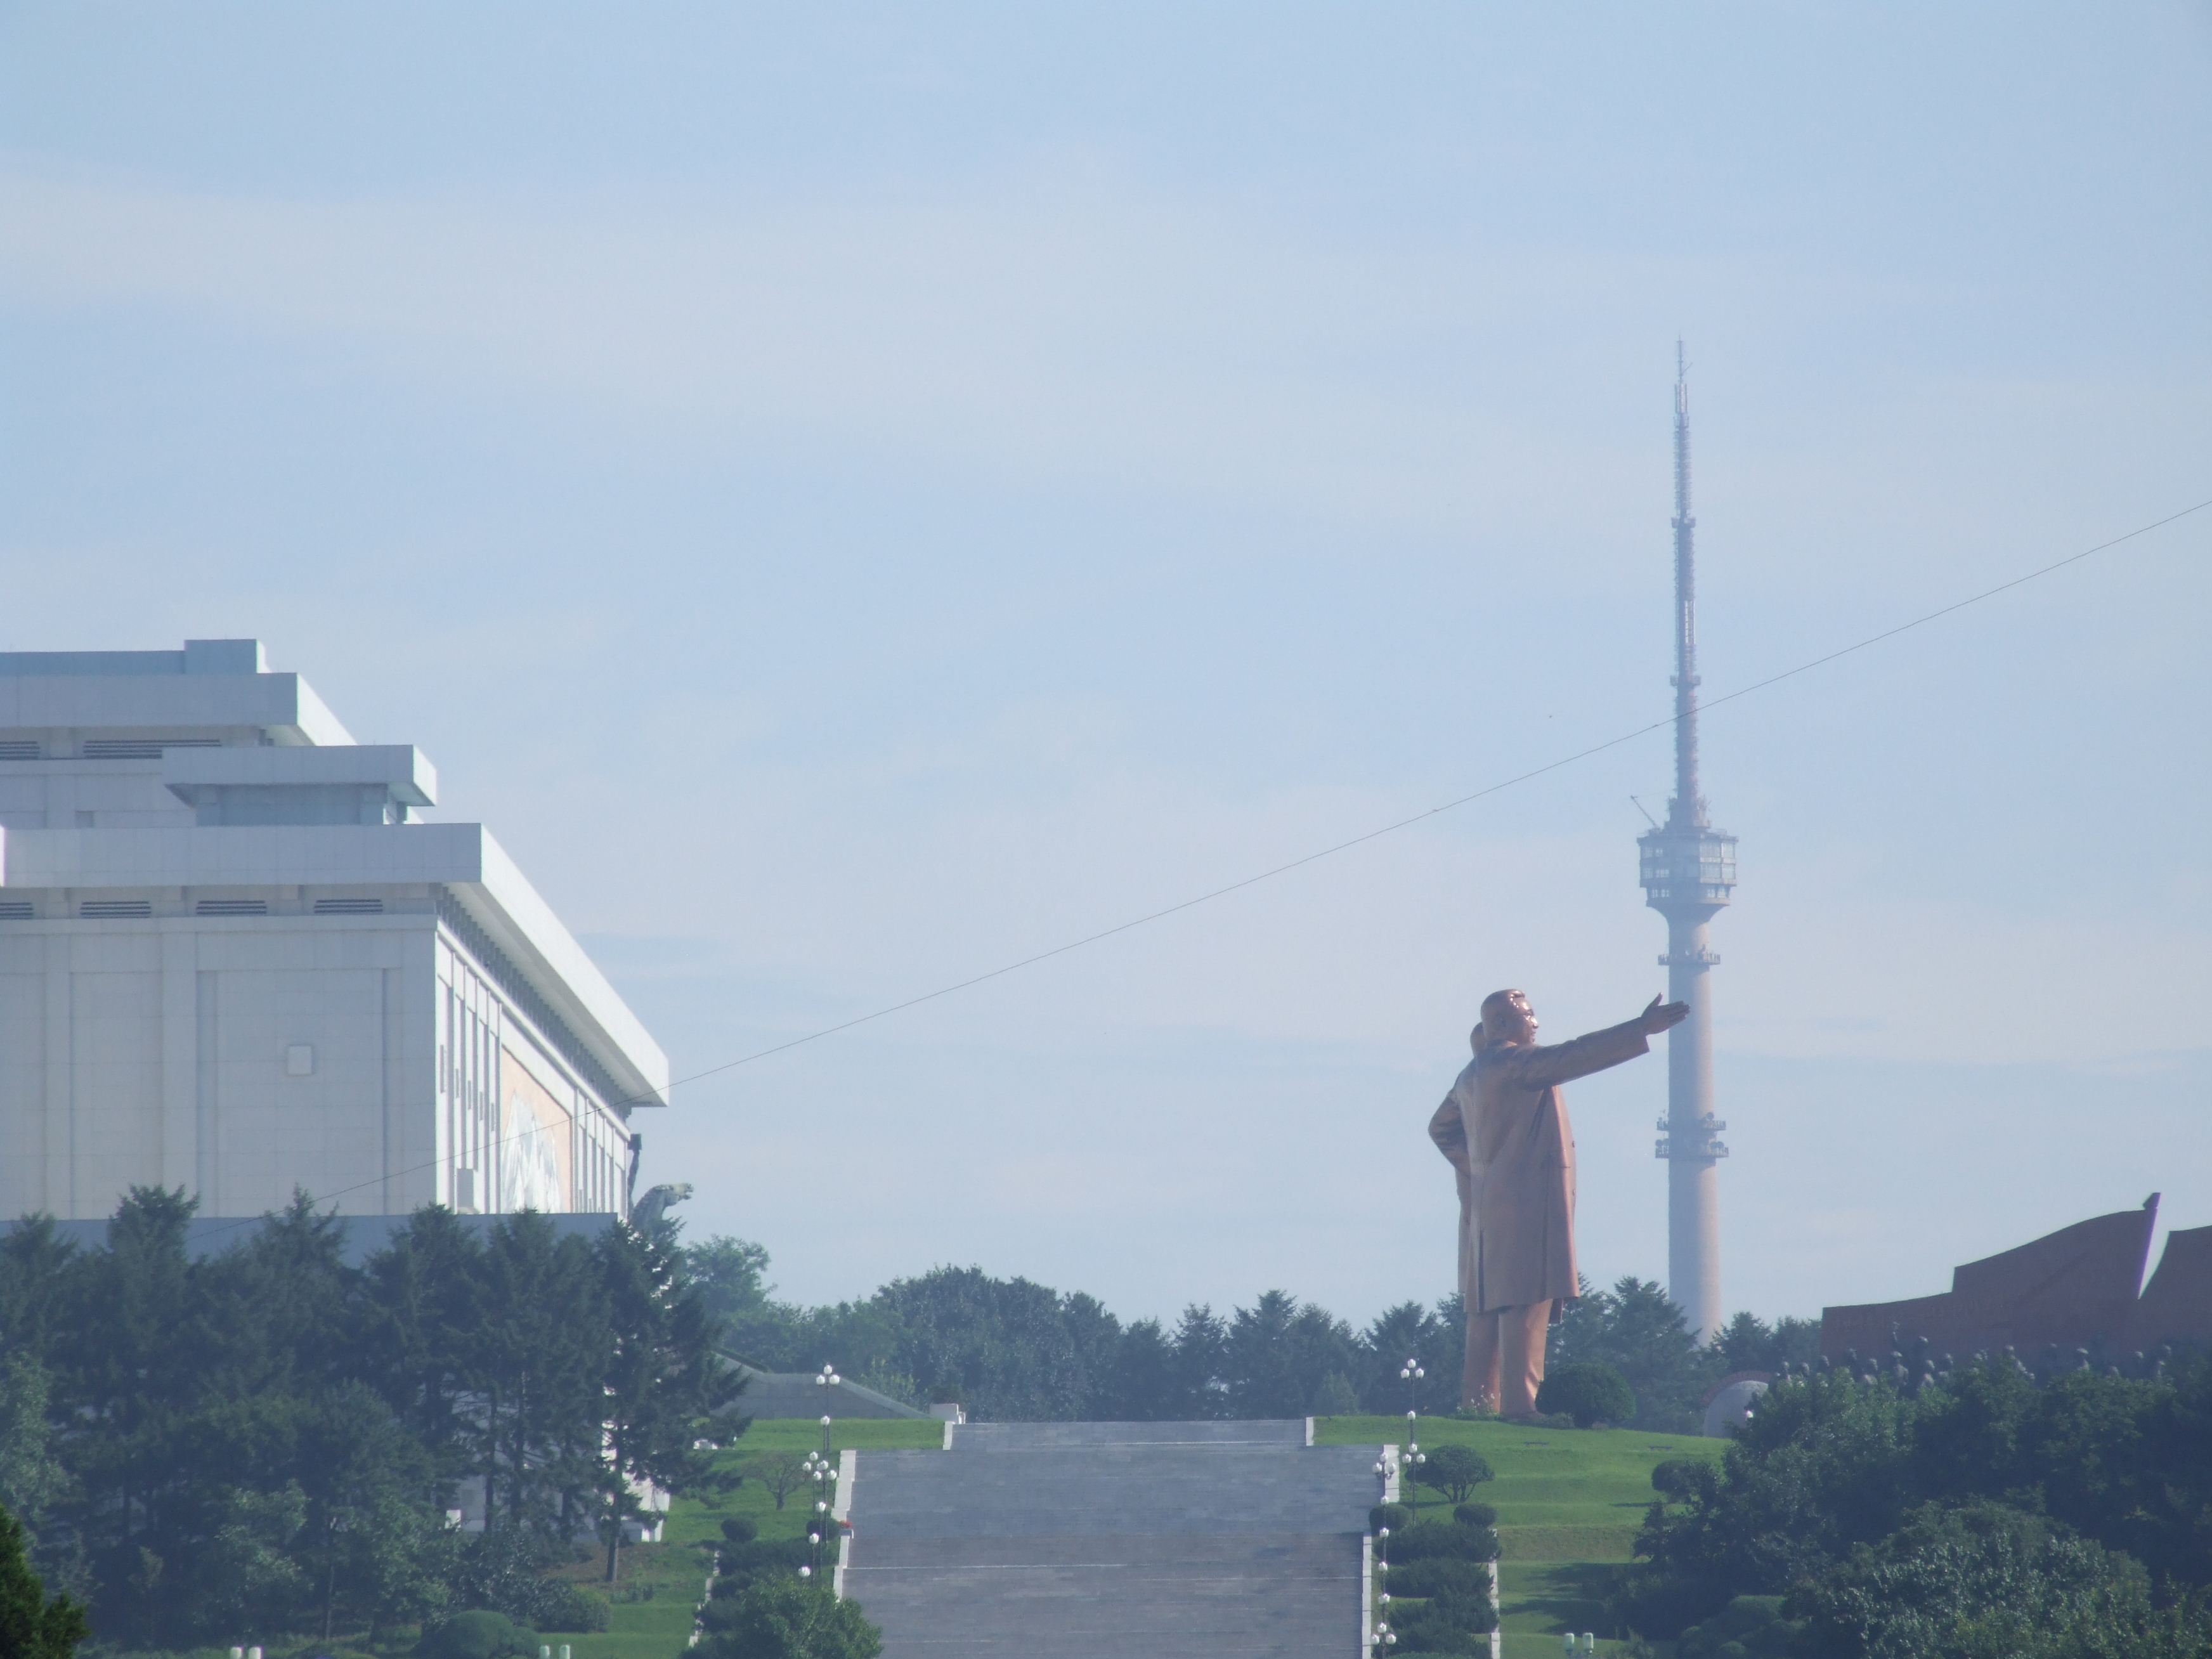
<point>1688,871</point>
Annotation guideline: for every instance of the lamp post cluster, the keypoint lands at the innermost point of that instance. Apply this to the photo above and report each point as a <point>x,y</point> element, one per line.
<point>1409,1469</point>
<point>1411,1375</point>
<point>1385,1638</point>
<point>821,1470</point>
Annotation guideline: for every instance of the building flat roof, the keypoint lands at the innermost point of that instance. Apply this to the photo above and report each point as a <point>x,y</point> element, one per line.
<point>282,705</point>
<point>399,767</point>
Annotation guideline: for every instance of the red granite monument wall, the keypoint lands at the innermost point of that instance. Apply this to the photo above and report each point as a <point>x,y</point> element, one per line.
<point>2178,1301</point>
<point>2073,1288</point>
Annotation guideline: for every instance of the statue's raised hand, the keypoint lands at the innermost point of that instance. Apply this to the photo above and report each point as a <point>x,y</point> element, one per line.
<point>1658,1016</point>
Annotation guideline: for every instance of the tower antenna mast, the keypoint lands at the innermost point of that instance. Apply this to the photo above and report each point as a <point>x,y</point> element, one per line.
<point>1689,805</point>
<point>1687,869</point>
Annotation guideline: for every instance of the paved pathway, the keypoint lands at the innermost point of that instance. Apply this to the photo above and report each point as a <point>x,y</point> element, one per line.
<point>1113,1541</point>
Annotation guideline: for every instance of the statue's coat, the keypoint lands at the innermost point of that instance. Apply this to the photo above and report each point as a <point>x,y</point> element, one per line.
<point>1513,1151</point>
<point>1450,1133</point>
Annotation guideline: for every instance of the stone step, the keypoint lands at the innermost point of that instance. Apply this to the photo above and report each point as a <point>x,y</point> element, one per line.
<point>1026,1436</point>
<point>1065,1540</point>
<point>1116,1489</point>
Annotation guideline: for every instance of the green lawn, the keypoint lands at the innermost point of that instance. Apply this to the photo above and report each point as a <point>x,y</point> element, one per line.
<point>675,1568</point>
<point>1568,1500</point>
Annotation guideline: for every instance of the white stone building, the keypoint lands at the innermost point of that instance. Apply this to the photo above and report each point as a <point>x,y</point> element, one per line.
<point>232,960</point>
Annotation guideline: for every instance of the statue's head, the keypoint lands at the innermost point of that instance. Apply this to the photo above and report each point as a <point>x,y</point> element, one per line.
<point>1507,1017</point>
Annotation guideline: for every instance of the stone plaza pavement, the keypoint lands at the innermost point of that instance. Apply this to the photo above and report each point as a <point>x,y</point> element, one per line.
<point>1107,1539</point>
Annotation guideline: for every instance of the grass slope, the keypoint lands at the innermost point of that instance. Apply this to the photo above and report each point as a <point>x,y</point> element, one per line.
<point>675,1568</point>
<point>1569,1502</point>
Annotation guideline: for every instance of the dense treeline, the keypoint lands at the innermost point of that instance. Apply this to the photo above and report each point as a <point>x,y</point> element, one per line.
<point>1014,1350</point>
<point>268,1440</point>
<point>1980,1514</point>
<point>1010,1349</point>
<point>1635,1329</point>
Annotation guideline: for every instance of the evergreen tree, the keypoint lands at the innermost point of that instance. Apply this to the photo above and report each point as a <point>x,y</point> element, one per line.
<point>1279,1357</point>
<point>129,1355</point>
<point>35,1264</point>
<point>1094,1337</point>
<point>664,1383</point>
<point>1409,1331</point>
<point>1748,1343</point>
<point>1005,1344</point>
<point>1202,1365</point>
<point>731,1277</point>
<point>32,1626</point>
<point>1634,1329</point>
<point>31,1479</point>
<point>540,1349</point>
<point>424,1294</point>
<point>371,1543</point>
<point>1143,1386</point>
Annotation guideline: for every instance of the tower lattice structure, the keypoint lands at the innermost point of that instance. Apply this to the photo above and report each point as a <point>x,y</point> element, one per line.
<point>1688,874</point>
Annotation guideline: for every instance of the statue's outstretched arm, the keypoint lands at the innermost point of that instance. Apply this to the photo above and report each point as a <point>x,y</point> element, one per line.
<point>1563,1062</point>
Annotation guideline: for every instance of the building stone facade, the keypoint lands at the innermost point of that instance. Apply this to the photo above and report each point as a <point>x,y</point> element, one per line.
<point>234,960</point>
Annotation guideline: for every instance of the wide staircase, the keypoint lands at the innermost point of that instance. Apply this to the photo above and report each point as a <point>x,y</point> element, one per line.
<point>1112,1541</point>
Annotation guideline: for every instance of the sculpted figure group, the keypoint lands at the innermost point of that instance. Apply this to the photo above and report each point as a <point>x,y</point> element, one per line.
<point>1505,1130</point>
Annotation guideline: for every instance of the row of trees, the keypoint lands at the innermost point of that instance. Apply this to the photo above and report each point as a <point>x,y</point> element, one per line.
<point>1979,1515</point>
<point>1636,1330</point>
<point>1012,1349</point>
<point>270,1439</point>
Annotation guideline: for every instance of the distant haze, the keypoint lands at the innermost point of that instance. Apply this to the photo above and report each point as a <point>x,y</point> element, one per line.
<point>853,496</point>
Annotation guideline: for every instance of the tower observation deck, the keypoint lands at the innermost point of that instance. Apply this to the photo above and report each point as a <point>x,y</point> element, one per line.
<point>1687,869</point>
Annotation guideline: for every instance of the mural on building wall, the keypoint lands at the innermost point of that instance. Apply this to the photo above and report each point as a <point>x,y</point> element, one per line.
<point>535,1169</point>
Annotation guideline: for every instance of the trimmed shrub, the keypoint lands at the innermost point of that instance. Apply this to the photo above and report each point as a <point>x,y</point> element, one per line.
<point>1653,1602</point>
<point>785,1618</point>
<point>1588,1390</point>
<point>1396,1517</point>
<point>1455,1471</point>
<point>1475,1514</point>
<point>479,1634</point>
<point>565,1605</point>
<point>740,1529</point>
<point>1427,1540</point>
<point>743,1565</point>
<point>1749,1627</point>
<point>1680,1478</point>
<point>720,1612</point>
<point>1444,1623</point>
<point>1439,1575</point>
<point>504,1571</point>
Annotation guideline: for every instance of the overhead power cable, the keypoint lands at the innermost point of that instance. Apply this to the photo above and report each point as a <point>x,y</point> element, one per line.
<point>1161,914</point>
<point>1345,846</point>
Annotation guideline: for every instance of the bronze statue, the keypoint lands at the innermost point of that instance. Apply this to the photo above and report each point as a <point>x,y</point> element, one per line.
<point>1504,1127</point>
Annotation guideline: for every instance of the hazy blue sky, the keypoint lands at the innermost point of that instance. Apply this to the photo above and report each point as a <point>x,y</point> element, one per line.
<point>854,495</point>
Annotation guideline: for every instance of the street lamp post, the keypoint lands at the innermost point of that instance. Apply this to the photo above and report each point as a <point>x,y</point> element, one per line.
<point>821,1474</point>
<point>1411,1375</point>
<point>823,1471</point>
<point>825,1379</point>
<point>1385,1638</point>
